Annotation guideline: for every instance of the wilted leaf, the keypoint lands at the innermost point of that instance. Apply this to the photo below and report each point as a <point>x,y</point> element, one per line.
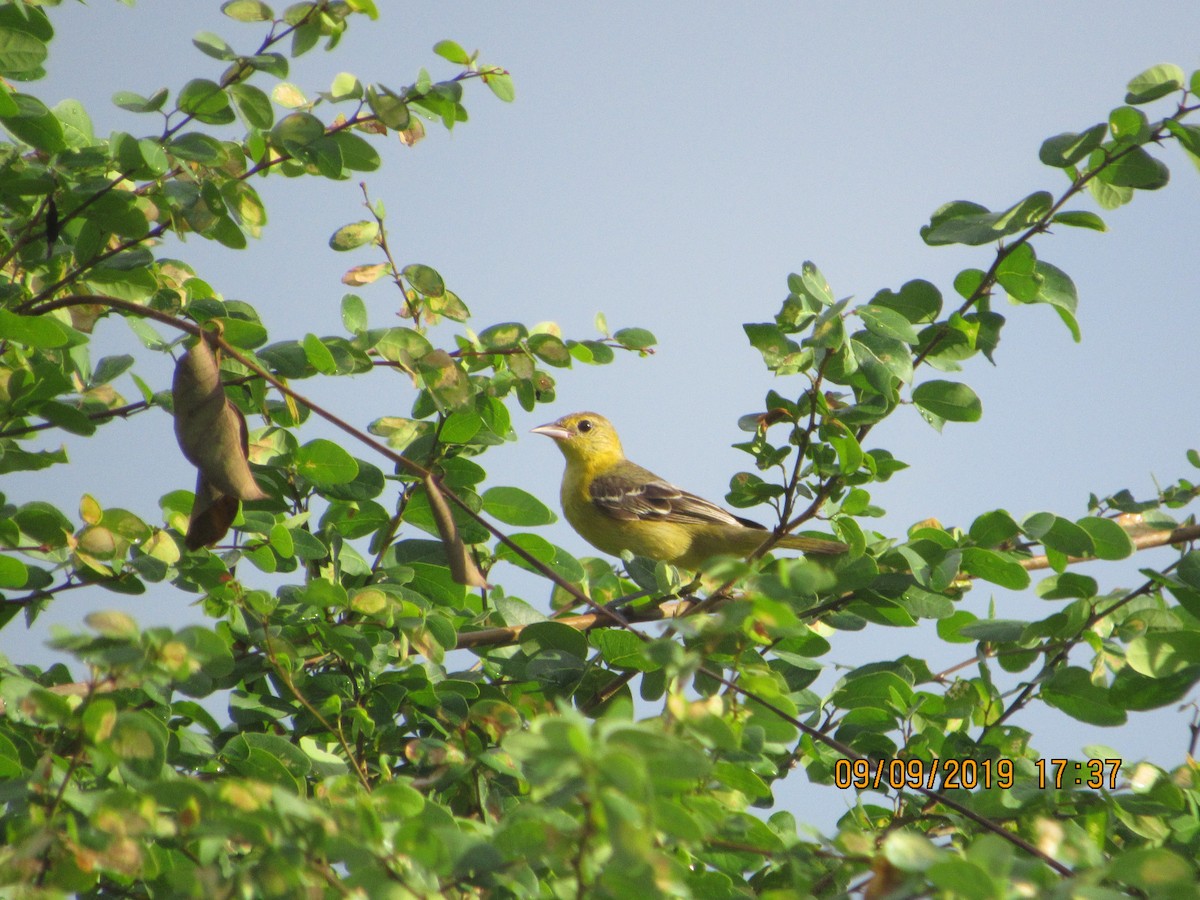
<point>360,275</point>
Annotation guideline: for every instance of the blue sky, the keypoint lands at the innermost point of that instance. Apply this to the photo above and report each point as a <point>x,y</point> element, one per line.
<point>669,164</point>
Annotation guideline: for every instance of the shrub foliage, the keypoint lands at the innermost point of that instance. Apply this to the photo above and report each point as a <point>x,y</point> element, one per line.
<point>365,711</point>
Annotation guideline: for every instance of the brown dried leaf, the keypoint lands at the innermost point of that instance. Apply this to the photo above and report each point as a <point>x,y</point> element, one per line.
<point>83,317</point>
<point>366,274</point>
<point>413,133</point>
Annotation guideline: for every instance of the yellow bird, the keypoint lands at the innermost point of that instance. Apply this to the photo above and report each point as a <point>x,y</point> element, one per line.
<point>617,505</point>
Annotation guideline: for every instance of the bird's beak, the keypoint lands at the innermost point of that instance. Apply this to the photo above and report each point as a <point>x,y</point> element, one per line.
<point>552,430</point>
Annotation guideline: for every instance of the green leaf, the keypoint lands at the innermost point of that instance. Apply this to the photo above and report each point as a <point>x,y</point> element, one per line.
<point>539,637</point>
<point>1057,533</point>
<point>812,284</point>
<point>35,125</point>
<point>13,572</point>
<point>247,10</point>
<point>948,400</point>
<point>1131,167</point>
<point>319,356</point>
<point>205,100</point>
<point>139,742</point>
<point>622,649</point>
<point>1129,124</point>
<point>1155,82</point>
<point>514,506</point>
<point>635,338</point>
<point>849,453</point>
<point>139,104</point>
<point>769,340</point>
<point>1071,690</point>
<point>501,84</point>
<point>425,280</point>
<point>267,758</point>
<point>550,349</point>
<point>887,323</point>
<point>994,528</point>
<point>197,147</point>
<point>20,52</point>
<point>357,154</point>
<point>297,131</point>
<point>963,222</point>
<point>254,106</point>
<point>1109,539</point>
<point>1065,150</point>
<point>40,332</point>
<point>1109,196</point>
<point>1152,870</point>
<point>882,361</point>
<point>354,314</point>
<point>354,235</point>
<point>918,301</point>
<point>8,106</point>
<point>1188,570</point>
<point>213,45</point>
<point>325,463</point>
<point>995,567</point>
<point>1188,137</point>
<point>447,383</point>
<point>68,418</point>
<point>1017,274</point>
<point>390,109</point>
<point>345,86</point>
<point>453,52</point>
<point>505,336</point>
<point>963,878</point>
<point>911,852</point>
<point>1057,289</point>
<point>402,345</point>
<point>968,283</point>
<point>1080,219</point>
<point>1133,691</point>
<point>1067,586</point>
<point>996,631</point>
<point>1160,654</point>
<point>879,690</point>
<point>460,426</point>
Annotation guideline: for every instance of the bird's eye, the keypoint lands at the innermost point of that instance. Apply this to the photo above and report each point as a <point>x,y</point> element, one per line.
<point>585,425</point>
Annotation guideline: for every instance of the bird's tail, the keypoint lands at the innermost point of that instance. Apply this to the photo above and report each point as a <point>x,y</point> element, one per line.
<point>811,545</point>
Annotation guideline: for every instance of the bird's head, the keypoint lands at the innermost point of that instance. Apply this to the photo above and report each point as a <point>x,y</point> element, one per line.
<point>586,437</point>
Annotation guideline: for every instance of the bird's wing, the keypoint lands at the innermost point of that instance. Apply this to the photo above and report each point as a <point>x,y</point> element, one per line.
<point>637,494</point>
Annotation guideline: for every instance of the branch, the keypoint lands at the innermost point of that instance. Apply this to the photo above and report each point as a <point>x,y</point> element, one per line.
<point>672,609</point>
<point>1146,541</point>
<point>99,416</point>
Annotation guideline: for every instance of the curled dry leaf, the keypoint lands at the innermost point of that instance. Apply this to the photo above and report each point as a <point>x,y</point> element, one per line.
<point>211,432</point>
<point>83,318</point>
<point>364,274</point>
<point>413,133</point>
<point>462,565</point>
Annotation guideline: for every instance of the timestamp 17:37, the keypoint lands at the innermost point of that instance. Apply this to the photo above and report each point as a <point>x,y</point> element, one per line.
<point>1060,773</point>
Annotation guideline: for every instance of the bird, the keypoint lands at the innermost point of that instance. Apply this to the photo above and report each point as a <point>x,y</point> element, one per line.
<point>617,505</point>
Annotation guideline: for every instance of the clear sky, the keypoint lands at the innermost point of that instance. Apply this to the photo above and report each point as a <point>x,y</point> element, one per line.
<point>669,164</point>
